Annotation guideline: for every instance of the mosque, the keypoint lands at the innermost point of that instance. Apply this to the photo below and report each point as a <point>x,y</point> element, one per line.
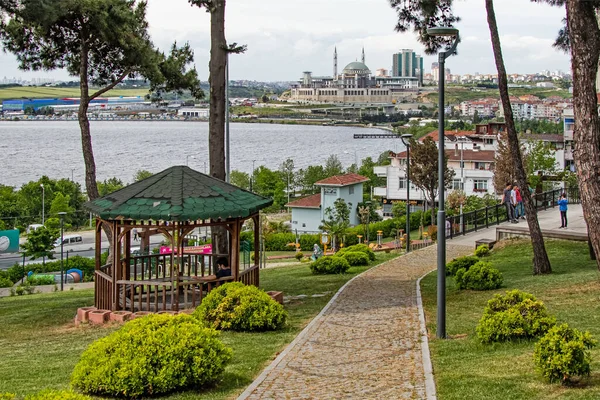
<point>355,85</point>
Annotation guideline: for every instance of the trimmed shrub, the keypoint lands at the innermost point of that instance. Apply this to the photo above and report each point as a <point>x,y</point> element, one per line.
<point>481,276</point>
<point>483,250</point>
<point>513,316</point>
<point>461,262</point>
<point>38,280</point>
<point>363,248</point>
<point>356,258</point>
<point>57,395</point>
<point>330,265</point>
<point>299,256</point>
<point>237,307</point>
<point>152,355</point>
<point>563,353</point>
<point>5,282</point>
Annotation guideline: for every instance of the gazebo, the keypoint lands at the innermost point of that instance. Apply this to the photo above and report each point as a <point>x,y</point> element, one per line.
<point>172,203</point>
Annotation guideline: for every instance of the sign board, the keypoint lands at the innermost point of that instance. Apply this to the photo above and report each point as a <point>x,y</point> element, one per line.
<point>205,249</point>
<point>9,241</point>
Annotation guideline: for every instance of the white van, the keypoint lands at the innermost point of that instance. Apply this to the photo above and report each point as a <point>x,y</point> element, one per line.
<point>69,239</point>
<point>33,227</point>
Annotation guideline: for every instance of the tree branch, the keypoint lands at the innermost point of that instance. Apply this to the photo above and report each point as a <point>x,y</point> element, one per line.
<point>112,85</point>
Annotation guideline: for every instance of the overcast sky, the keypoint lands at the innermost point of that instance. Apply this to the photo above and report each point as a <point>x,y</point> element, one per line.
<point>286,37</point>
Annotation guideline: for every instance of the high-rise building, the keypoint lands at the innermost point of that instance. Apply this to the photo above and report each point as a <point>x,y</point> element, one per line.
<point>408,64</point>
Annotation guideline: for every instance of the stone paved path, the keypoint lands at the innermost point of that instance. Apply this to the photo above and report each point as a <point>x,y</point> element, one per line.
<point>366,345</point>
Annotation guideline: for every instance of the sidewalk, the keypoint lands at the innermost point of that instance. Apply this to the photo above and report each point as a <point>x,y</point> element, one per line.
<point>366,344</point>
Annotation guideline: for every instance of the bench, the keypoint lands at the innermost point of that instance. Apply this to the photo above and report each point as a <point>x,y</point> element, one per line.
<point>489,242</point>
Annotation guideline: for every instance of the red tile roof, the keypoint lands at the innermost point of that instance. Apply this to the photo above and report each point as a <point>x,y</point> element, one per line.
<point>342,180</point>
<point>313,201</point>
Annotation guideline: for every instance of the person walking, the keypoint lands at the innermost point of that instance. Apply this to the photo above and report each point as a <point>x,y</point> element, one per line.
<point>135,235</point>
<point>562,206</point>
<point>510,211</point>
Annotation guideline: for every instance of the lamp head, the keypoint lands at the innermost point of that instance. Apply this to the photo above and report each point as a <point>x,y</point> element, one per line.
<point>447,31</point>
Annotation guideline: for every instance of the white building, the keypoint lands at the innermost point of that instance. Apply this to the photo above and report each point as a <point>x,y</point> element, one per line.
<point>193,112</point>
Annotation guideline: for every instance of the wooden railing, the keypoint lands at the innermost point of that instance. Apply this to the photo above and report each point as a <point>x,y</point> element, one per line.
<point>102,291</point>
<point>250,276</point>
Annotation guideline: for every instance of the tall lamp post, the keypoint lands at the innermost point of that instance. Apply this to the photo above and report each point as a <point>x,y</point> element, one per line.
<point>43,204</point>
<point>406,140</point>
<point>441,216</point>
<point>62,237</point>
<point>252,175</point>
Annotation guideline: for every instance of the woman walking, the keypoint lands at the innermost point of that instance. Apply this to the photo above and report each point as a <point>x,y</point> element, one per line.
<point>562,206</point>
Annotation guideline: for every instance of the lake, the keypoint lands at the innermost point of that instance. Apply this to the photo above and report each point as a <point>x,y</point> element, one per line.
<point>31,149</point>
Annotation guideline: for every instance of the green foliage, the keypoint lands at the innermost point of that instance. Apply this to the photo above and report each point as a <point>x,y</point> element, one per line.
<point>152,355</point>
<point>237,307</point>
<point>464,262</point>
<point>309,176</point>
<point>86,265</point>
<point>330,265</point>
<point>481,276</point>
<point>563,353</point>
<point>38,280</point>
<point>333,166</point>
<point>5,282</point>
<point>513,316</point>
<point>15,272</point>
<point>49,394</point>
<point>337,221</point>
<point>61,203</point>
<point>240,179</point>
<point>109,185</point>
<point>299,256</point>
<point>356,258</point>
<point>362,248</point>
<point>40,243</point>
<point>399,209</point>
<point>142,174</point>
<point>483,250</point>
<point>8,396</point>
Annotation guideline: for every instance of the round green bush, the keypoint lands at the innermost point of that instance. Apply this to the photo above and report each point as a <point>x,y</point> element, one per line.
<point>481,276</point>
<point>563,353</point>
<point>461,262</point>
<point>356,258</point>
<point>299,256</point>
<point>482,250</point>
<point>237,307</point>
<point>513,316</point>
<point>330,265</point>
<point>152,355</point>
<point>363,248</point>
<point>5,282</point>
<point>57,395</point>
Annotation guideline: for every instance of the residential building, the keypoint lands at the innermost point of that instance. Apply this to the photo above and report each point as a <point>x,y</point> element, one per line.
<point>309,212</point>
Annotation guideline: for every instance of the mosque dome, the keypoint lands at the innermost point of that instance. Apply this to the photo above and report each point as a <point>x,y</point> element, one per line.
<point>356,67</point>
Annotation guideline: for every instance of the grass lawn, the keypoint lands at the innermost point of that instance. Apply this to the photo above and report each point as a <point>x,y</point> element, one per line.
<point>54,92</point>
<point>39,344</point>
<point>466,369</point>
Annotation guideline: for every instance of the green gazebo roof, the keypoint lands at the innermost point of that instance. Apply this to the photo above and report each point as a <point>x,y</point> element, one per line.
<point>178,194</point>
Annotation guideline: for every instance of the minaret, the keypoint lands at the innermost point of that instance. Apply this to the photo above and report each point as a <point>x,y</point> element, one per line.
<point>335,64</point>
<point>362,59</point>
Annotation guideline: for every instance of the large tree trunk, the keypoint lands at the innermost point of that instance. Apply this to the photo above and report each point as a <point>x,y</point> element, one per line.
<point>584,37</point>
<point>216,121</point>
<point>541,263</point>
<point>218,60</point>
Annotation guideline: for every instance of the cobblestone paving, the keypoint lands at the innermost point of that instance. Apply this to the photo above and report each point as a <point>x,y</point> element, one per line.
<point>366,345</point>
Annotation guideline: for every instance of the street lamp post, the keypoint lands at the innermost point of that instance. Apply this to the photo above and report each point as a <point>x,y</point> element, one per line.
<point>62,237</point>
<point>368,220</point>
<point>43,204</point>
<point>406,140</point>
<point>441,217</point>
<point>252,176</point>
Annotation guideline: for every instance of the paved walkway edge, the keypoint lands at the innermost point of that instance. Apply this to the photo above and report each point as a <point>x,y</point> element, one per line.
<point>300,336</point>
<point>427,367</point>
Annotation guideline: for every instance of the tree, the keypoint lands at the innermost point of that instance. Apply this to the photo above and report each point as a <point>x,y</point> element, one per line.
<point>398,209</point>
<point>142,174</point>
<point>40,243</point>
<point>504,167</point>
<point>367,170</point>
<point>476,117</point>
<point>455,199</point>
<point>423,14</point>
<point>309,177</point>
<point>102,42</point>
<point>541,262</point>
<point>240,179</point>
<point>540,157</point>
<point>337,221</point>
<point>333,166</point>
<point>424,170</point>
<point>286,169</point>
<point>581,37</point>
<point>61,203</point>
<point>109,185</point>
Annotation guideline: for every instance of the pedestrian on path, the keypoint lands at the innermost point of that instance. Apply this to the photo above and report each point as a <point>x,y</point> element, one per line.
<point>135,235</point>
<point>562,206</point>
<point>520,210</point>
<point>506,200</point>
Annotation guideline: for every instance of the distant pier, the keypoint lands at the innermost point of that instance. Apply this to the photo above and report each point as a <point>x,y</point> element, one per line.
<point>376,136</point>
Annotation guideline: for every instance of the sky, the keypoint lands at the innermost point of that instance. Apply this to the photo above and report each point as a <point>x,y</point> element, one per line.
<point>286,37</point>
